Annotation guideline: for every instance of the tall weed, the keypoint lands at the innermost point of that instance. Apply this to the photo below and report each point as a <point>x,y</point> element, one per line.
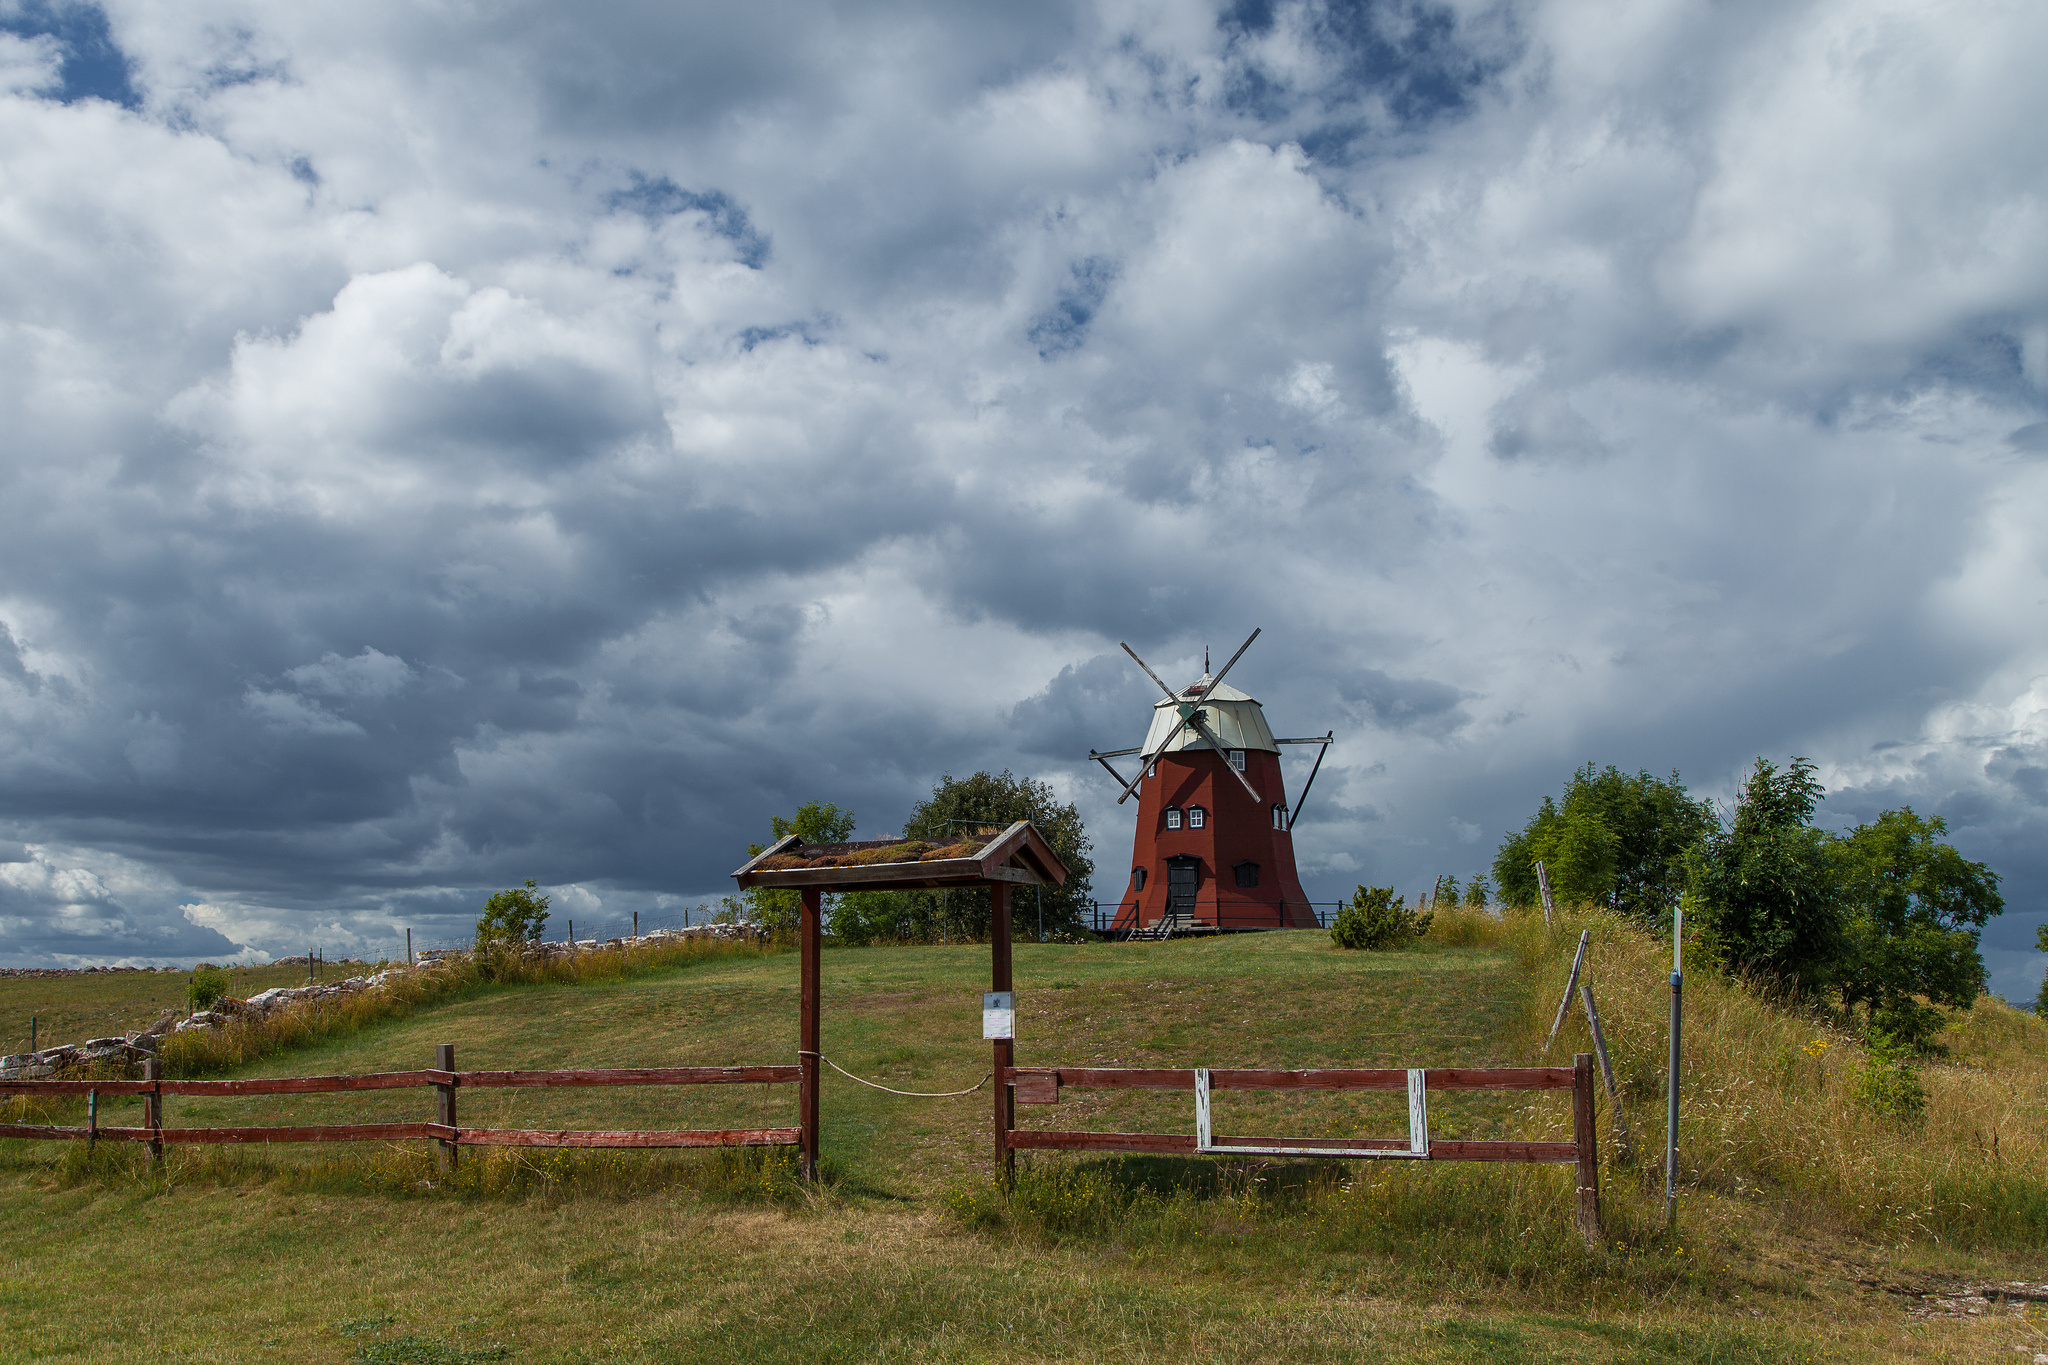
<point>239,1042</point>
<point>1779,1099</point>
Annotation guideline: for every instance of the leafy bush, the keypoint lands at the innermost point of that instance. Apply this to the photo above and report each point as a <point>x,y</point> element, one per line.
<point>511,917</point>
<point>208,984</point>
<point>1376,919</point>
<point>1885,1083</point>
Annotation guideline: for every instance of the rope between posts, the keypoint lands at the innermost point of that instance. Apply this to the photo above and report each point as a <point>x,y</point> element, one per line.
<point>908,1094</point>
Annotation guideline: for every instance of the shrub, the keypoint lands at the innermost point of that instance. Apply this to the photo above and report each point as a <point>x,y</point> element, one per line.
<point>208,984</point>
<point>1376,919</point>
<point>1885,1083</point>
<point>514,916</point>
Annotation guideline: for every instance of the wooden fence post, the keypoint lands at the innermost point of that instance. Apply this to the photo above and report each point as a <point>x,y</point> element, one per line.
<point>1588,1143</point>
<point>92,1119</point>
<point>810,933</point>
<point>1543,887</point>
<point>1005,1048</point>
<point>636,924</point>
<point>444,1104</point>
<point>408,947</point>
<point>153,1111</point>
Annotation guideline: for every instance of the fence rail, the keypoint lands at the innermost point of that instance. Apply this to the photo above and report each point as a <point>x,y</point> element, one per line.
<point>1041,1085</point>
<point>445,1082</point>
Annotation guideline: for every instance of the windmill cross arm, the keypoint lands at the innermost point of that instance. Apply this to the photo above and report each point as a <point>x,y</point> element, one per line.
<point>1116,753</point>
<point>1217,745</point>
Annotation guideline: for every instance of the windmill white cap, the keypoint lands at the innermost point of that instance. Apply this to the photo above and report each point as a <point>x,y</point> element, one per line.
<point>1235,718</point>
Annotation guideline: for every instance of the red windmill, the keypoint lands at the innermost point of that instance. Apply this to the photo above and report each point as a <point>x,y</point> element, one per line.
<point>1215,844</point>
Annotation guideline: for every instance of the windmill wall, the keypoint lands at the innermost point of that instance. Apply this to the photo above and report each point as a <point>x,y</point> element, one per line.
<point>1235,830</point>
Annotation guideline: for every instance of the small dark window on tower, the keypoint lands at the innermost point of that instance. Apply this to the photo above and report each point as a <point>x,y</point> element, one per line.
<point>1173,817</point>
<point>1237,759</point>
<point>1247,874</point>
<point>1197,817</point>
<point>1279,817</point>
<point>1137,879</point>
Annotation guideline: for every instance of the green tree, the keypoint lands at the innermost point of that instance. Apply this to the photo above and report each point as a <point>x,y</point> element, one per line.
<point>1765,885</point>
<point>777,909</point>
<point>1914,908</point>
<point>2041,943</point>
<point>1615,839</point>
<point>514,916</point>
<point>1446,891</point>
<point>959,806</point>
<point>1477,890</point>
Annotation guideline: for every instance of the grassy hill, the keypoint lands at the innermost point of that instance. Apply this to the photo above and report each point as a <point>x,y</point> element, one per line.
<point>71,1009</point>
<point>324,1254</point>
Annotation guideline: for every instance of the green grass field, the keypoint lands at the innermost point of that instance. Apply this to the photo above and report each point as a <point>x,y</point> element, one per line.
<point>71,1009</point>
<point>327,1254</point>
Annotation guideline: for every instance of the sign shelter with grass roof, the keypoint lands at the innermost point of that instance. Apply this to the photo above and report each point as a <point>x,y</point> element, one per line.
<point>1017,856</point>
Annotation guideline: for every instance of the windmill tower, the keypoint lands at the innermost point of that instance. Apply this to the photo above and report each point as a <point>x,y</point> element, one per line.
<point>1215,843</point>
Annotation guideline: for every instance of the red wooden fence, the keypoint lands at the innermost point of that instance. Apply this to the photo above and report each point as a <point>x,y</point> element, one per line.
<point>445,1081</point>
<point>1041,1085</point>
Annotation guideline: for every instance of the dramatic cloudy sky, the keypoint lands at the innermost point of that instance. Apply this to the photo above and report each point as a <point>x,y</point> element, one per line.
<point>447,444</point>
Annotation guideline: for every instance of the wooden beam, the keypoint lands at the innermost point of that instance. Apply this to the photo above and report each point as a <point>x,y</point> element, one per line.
<point>647,1075</point>
<point>1005,1048</point>
<point>682,1137</point>
<point>302,1085</point>
<point>1586,1138</point>
<point>1103,1142</point>
<point>1377,1078</point>
<point>779,846</point>
<point>810,934</point>
<point>1440,1150</point>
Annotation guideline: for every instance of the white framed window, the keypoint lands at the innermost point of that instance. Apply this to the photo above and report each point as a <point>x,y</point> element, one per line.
<point>1279,817</point>
<point>1197,817</point>
<point>1237,759</point>
<point>1173,817</point>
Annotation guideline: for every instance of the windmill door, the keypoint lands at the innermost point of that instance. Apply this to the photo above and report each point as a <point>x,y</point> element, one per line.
<point>1180,887</point>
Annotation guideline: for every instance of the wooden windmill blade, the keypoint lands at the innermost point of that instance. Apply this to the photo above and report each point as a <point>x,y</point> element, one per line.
<point>1190,717</point>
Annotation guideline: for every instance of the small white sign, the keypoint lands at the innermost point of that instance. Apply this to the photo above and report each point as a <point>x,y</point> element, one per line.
<point>999,1014</point>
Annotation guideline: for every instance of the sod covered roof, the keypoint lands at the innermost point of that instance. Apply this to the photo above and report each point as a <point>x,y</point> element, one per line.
<point>1018,854</point>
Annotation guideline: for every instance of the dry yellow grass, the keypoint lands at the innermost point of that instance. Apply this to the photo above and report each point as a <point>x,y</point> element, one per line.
<point>1769,1109</point>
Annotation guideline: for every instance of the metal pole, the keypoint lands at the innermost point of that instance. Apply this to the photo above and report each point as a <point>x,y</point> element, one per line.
<point>1671,1086</point>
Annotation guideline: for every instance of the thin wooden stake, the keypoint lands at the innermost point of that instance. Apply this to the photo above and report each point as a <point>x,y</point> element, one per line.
<point>1623,1147</point>
<point>1578,961</point>
<point>408,948</point>
<point>1543,885</point>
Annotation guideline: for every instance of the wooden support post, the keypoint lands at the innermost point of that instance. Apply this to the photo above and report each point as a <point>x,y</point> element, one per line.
<point>636,924</point>
<point>31,1033</point>
<point>810,931</point>
<point>1543,888</point>
<point>1587,1140</point>
<point>1571,984</point>
<point>572,934</point>
<point>408,947</point>
<point>1623,1148</point>
<point>153,1111</point>
<point>1005,1048</point>
<point>444,1103</point>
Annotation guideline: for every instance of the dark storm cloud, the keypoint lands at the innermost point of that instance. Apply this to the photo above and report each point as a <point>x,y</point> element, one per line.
<point>444,449</point>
